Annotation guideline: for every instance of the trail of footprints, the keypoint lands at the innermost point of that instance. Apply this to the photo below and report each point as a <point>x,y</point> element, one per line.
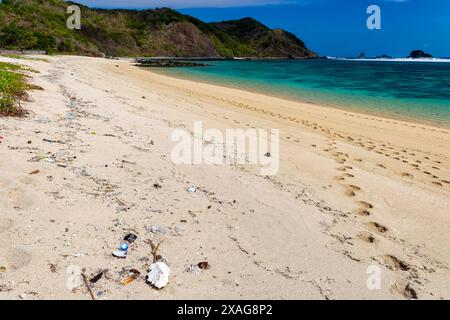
<point>363,210</point>
<point>424,166</point>
<point>421,164</point>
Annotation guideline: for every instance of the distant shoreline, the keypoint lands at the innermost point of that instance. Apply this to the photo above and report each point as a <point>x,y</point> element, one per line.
<point>391,114</point>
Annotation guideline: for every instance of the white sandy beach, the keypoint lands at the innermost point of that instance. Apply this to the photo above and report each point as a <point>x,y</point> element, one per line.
<point>353,191</point>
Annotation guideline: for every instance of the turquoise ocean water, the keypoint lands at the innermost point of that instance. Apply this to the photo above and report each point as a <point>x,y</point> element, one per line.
<point>418,91</point>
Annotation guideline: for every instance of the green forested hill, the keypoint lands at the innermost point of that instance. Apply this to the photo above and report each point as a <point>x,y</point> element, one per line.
<point>41,25</point>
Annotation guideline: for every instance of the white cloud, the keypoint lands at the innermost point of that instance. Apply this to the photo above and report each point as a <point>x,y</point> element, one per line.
<point>178,4</point>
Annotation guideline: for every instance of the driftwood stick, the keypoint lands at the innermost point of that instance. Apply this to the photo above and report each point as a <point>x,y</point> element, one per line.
<point>86,283</point>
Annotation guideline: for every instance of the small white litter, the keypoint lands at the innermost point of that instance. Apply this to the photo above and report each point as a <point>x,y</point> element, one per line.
<point>192,189</point>
<point>156,229</point>
<point>194,269</point>
<point>120,254</point>
<point>158,274</point>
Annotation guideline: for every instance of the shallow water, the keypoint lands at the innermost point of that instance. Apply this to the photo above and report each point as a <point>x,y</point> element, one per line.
<point>405,90</point>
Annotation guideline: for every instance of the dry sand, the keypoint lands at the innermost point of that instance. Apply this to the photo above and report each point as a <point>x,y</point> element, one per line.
<point>353,191</point>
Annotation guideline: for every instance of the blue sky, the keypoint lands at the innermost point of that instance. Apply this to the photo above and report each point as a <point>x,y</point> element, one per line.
<point>330,27</point>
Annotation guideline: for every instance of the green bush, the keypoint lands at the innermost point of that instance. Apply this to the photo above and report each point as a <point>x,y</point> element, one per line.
<point>12,89</point>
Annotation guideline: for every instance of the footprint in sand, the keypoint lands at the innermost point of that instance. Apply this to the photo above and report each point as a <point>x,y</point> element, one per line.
<point>353,187</point>
<point>365,205</point>
<point>375,226</point>
<point>362,212</point>
<point>350,190</point>
<point>15,258</point>
<point>366,237</point>
<point>348,175</point>
<point>394,263</point>
<point>16,195</point>
<point>404,289</point>
<point>349,193</point>
<point>407,175</point>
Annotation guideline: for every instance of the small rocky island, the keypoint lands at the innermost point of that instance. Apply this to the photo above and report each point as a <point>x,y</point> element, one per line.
<point>417,54</point>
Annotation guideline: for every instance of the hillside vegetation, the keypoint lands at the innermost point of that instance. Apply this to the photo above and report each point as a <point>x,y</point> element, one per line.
<point>41,25</point>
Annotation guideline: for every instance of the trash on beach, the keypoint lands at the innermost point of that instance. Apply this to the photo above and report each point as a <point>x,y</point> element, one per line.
<point>157,186</point>
<point>204,265</point>
<point>194,269</point>
<point>86,283</point>
<point>52,267</point>
<point>128,162</point>
<point>34,172</point>
<point>197,268</point>
<point>156,229</point>
<point>2,269</point>
<point>50,160</point>
<point>133,274</point>
<point>97,277</point>
<point>155,249</point>
<point>158,274</point>
<point>123,246</point>
<point>178,230</point>
<point>130,238</point>
<point>268,155</point>
<point>122,252</point>
<point>121,206</point>
<point>37,158</point>
<point>53,141</point>
<point>191,189</point>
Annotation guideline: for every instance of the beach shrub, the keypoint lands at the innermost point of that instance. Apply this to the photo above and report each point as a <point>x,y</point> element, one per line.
<point>12,89</point>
